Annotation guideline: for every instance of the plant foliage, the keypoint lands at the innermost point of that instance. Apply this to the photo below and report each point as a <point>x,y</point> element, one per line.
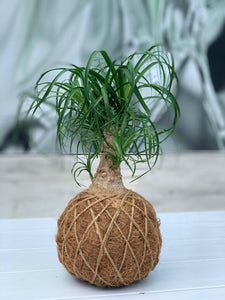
<point>110,98</point>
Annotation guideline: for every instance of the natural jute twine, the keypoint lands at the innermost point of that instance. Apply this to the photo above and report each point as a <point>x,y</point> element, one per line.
<point>109,239</point>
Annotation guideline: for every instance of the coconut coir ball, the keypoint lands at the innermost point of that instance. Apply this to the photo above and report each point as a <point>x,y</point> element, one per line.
<point>109,239</point>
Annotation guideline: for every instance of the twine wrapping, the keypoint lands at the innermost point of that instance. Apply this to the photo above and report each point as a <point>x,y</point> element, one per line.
<point>109,239</point>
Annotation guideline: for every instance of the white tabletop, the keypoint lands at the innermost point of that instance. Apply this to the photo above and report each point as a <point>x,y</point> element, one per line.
<point>192,264</point>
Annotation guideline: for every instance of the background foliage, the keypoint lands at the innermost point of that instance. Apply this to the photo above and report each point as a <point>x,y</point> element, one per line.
<point>38,35</point>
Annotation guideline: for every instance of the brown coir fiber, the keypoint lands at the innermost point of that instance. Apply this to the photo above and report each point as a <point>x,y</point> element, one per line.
<point>109,239</point>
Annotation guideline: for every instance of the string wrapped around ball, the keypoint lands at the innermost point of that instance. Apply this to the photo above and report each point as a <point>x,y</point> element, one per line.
<point>109,239</point>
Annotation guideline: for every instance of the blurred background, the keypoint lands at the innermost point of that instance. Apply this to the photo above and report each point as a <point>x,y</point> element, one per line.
<point>37,35</point>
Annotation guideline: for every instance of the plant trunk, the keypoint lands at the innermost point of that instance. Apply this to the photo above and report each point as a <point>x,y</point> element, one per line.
<point>108,177</point>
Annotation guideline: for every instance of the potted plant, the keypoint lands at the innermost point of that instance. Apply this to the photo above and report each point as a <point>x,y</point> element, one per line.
<point>109,235</point>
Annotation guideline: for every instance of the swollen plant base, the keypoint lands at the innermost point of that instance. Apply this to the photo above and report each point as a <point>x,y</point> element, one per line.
<point>108,235</point>
<point>109,238</point>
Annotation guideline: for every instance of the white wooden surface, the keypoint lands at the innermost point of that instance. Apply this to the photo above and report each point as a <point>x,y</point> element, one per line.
<point>192,264</point>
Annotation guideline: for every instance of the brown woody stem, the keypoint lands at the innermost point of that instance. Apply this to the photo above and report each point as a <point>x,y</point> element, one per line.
<point>107,176</point>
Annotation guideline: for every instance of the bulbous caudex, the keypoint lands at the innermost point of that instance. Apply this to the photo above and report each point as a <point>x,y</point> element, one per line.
<point>108,235</point>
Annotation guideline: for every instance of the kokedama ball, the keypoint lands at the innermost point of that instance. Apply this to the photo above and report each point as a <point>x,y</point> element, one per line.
<point>109,235</point>
<point>109,239</point>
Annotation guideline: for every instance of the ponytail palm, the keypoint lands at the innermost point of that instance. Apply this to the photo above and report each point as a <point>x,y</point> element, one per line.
<point>109,235</point>
<point>109,98</point>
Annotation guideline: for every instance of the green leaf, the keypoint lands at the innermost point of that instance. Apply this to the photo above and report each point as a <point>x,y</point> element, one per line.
<point>109,97</point>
